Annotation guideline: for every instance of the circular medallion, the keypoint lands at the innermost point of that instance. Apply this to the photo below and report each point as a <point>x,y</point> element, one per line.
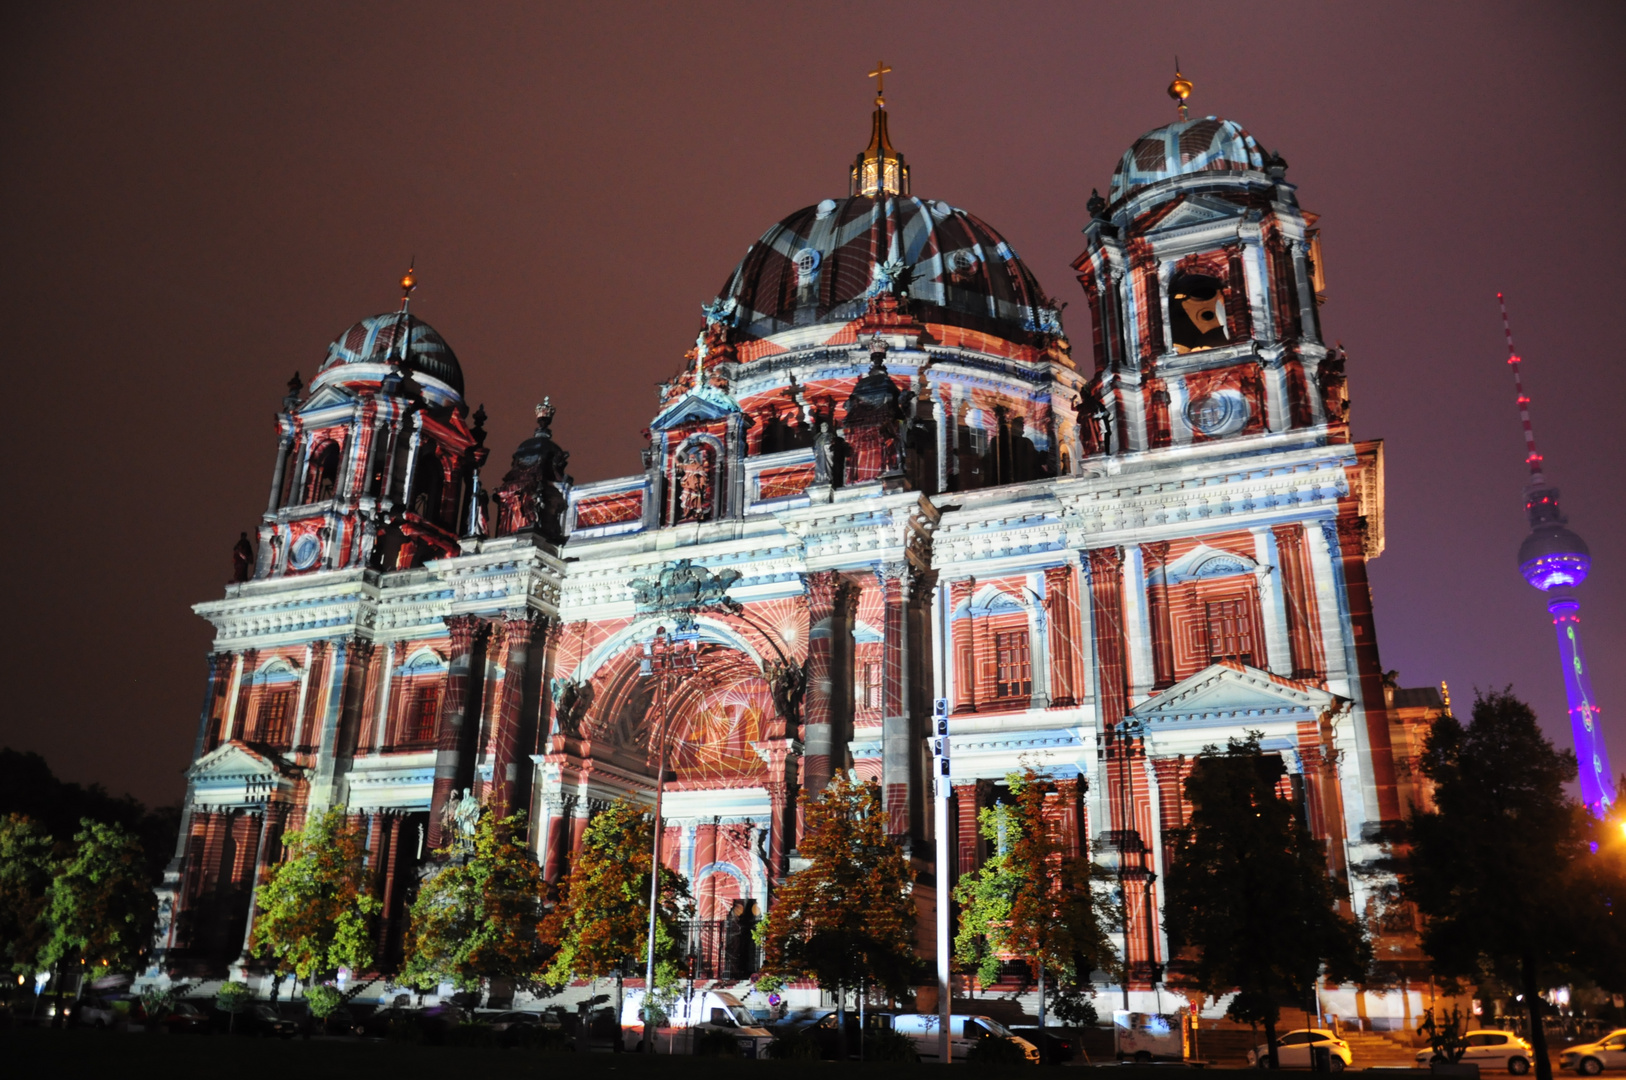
<point>1219,413</point>
<point>302,556</point>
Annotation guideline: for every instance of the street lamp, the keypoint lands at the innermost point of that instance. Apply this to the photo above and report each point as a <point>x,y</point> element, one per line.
<point>664,657</point>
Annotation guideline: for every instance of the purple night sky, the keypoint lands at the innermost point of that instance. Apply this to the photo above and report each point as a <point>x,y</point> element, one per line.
<point>199,197</point>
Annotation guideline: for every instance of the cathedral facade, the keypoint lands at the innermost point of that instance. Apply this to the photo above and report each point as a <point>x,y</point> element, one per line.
<point>883,484</point>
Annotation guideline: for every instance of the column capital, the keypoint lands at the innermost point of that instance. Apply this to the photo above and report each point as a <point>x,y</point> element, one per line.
<point>465,630</point>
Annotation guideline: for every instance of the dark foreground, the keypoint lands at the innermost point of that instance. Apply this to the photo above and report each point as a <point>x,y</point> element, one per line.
<point>28,1052</point>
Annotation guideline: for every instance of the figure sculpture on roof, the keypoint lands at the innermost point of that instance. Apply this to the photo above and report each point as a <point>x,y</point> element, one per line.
<point>532,495</point>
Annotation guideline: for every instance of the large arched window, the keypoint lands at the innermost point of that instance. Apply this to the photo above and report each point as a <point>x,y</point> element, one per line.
<point>322,476</point>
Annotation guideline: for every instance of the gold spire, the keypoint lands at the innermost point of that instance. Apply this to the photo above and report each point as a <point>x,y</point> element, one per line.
<point>1180,88</point>
<point>409,281</point>
<point>880,169</point>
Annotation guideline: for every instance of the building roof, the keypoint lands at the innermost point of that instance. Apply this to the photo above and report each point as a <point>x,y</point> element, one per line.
<point>377,340</point>
<point>823,263</point>
<point>1206,144</point>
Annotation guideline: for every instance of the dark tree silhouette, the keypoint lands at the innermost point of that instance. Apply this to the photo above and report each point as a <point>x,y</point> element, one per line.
<point>1250,905</point>
<point>1503,869</point>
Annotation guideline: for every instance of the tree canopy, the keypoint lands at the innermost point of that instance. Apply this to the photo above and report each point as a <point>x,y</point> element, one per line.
<point>481,918</point>
<point>26,864</point>
<point>847,918</point>
<point>601,919</point>
<point>101,907</point>
<point>1504,870</point>
<point>1249,905</point>
<point>313,908</point>
<point>1032,899</point>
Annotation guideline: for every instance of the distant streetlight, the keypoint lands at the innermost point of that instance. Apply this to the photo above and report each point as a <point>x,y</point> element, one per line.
<point>664,657</point>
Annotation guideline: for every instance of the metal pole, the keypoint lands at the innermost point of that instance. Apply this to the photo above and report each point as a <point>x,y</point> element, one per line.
<point>655,865</point>
<point>945,1046</point>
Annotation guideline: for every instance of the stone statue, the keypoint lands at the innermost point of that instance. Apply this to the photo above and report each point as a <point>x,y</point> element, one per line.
<point>242,559</point>
<point>571,700</point>
<point>826,456</point>
<point>448,816</point>
<point>467,819</point>
<point>788,682</point>
<point>694,485</point>
<point>532,495</point>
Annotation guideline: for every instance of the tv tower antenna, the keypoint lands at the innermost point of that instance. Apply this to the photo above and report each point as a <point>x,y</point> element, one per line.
<point>1556,560</point>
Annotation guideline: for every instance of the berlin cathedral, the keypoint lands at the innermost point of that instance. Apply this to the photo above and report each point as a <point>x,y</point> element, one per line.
<point>884,482</point>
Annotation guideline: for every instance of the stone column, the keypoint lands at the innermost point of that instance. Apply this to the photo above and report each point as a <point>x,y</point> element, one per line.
<point>1303,633</point>
<point>467,637</point>
<point>827,596</point>
<point>274,502</point>
<point>1348,539</point>
<point>899,747</point>
<point>1063,600</point>
<point>512,734</point>
<point>1268,581</point>
<point>779,758</point>
<point>244,679</point>
<point>1106,589</point>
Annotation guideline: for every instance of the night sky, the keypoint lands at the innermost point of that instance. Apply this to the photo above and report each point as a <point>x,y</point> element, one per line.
<point>196,198</point>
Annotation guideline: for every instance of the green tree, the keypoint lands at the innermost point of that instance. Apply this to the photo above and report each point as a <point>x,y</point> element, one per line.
<point>1502,870</point>
<point>479,919</point>
<point>25,875</point>
<point>1032,899</point>
<point>847,918</point>
<point>1249,905</point>
<point>232,999</point>
<point>601,919</point>
<point>101,906</point>
<point>313,907</point>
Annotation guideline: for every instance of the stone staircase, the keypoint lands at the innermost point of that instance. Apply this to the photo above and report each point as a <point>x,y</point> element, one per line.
<point>1380,1048</point>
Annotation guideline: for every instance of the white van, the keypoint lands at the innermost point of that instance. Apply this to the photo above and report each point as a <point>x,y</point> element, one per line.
<point>705,1010</point>
<point>964,1033</point>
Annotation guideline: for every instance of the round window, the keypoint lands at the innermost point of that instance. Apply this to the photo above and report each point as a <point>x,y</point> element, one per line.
<point>1219,413</point>
<point>302,556</point>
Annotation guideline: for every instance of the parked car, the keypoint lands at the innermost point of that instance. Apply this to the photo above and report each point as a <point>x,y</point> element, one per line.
<point>1058,1046</point>
<point>824,1029</point>
<point>703,1011</point>
<point>185,1018</point>
<point>264,1020</point>
<point>1293,1050</point>
<point>99,1012</point>
<point>1591,1059</point>
<point>378,1025</point>
<point>964,1033</point>
<point>1491,1050</point>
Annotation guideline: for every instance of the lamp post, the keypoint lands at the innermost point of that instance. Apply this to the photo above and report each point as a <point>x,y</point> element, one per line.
<point>664,656</point>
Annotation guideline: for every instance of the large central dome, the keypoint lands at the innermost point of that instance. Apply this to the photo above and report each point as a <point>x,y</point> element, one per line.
<point>821,265</point>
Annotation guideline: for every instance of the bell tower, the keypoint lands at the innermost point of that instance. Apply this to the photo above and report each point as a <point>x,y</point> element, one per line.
<point>1203,279</point>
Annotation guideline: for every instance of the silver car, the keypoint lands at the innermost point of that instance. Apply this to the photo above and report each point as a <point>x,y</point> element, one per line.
<point>1491,1050</point>
<point>1293,1050</point>
<point>1591,1059</point>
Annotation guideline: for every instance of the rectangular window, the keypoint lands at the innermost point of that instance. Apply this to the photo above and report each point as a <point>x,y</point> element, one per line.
<point>1014,677</point>
<point>1230,631</point>
<point>422,715</point>
<point>276,707</point>
<point>871,692</point>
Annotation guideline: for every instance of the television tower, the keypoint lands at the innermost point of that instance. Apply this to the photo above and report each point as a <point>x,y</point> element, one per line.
<point>1555,560</point>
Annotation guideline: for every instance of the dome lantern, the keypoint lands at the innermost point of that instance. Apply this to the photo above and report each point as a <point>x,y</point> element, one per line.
<point>879,169</point>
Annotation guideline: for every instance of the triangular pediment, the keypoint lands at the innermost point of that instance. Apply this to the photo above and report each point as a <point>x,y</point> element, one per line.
<point>697,406</point>
<point>326,398</point>
<point>1233,692</point>
<point>1197,212</point>
<point>234,761</point>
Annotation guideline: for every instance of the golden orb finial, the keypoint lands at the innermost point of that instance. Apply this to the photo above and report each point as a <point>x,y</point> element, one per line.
<point>409,281</point>
<point>1180,88</point>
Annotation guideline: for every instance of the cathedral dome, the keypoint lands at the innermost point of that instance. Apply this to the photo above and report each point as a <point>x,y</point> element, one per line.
<point>821,265</point>
<point>377,340</point>
<point>1206,144</point>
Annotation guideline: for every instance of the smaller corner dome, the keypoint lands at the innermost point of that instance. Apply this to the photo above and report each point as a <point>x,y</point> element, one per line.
<point>377,340</point>
<point>1206,144</point>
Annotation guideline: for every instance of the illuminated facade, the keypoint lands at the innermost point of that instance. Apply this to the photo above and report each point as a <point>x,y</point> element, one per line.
<point>1556,560</point>
<point>884,452</point>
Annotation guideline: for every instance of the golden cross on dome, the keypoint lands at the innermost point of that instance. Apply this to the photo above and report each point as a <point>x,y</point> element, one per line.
<point>879,75</point>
